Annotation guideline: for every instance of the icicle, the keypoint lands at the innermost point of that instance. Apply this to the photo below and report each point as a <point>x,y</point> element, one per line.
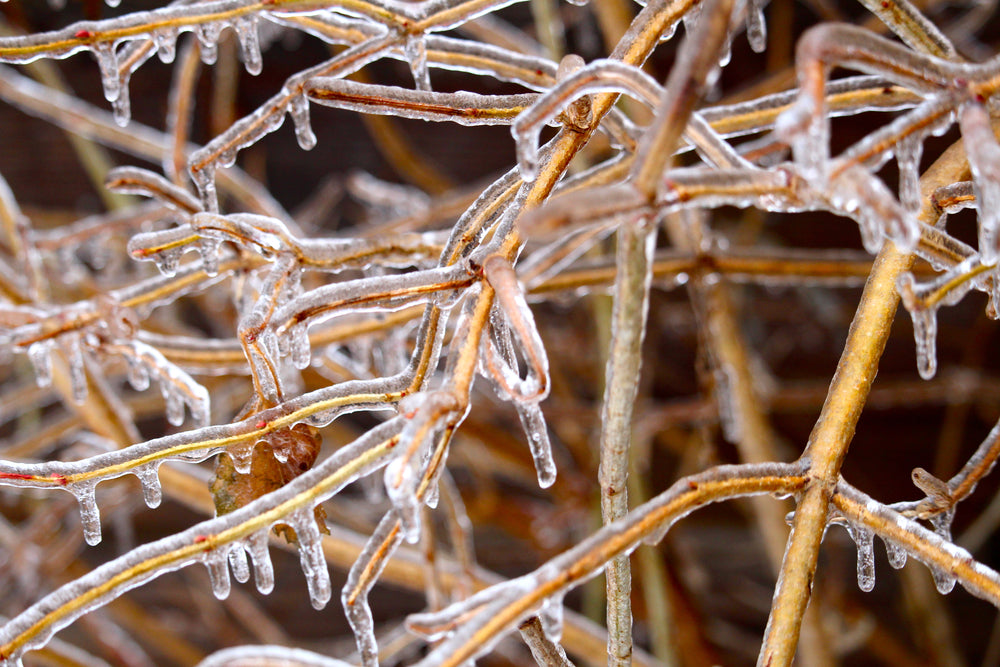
<point>263,571</point>
<point>551,618</point>
<point>40,356</point>
<point>298,109</point>
<point>175,403</point>
<point>299,347</point>
<point>416,54</point>
<point>204,180</point>
<point>943,581</point>
<point>90,517</point>
<point>238,561</point>
<point>208,35</point>
<point>242,457</point>
<point>121,106</point>
<point>896,555</point>
<point>209,249</point>
<point>908,152</point>
<point>246,32</point>
<point>166,44</point>
<point>107,61</point>
<point>400,483</point>
<point>303,522</point>
<point>984,159</point>
<point>756,27</point>
<point>924,326</point>
<point>149,478</point>
<point>138,374</point>
<point>864,539</point>
<point>218,572</point>
<point>533,422</point>
<point>73,350</point>
<point>167,260</point>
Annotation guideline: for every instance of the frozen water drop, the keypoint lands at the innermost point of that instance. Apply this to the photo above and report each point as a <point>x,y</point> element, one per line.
<point>40,356</point>
<point>242,457</point>
<point>263,571</point>
<point>77,371</point>
<point>90,517</point>
<point>209,250</point>
<point>924,326</point>
<point>149,478</point>
<point>756,27</point>
<point>896,555</point>
<point>167,261</point>
<point>121,107</point>
<point>943,581</point>
<point>311,557</point>
<point>174,401</point>
<point>533,422</point>
<point>301,351</point>
<point>208,37</point>
<point>551,618</point>
<point>166,44</point>
<point>298,109</point>
<point>138,374</point>
<point>218,572</point>
<point>864,539</point>
<point>238,561</point>
<point>107,62</point>
<point>246,32</point>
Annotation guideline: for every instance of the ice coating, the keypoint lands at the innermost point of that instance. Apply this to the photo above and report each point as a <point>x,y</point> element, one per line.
<point>599,76</point>
<point>190,546</point>
<point>382,543</point>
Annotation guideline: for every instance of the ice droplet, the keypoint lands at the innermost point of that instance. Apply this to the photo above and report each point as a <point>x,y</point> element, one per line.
<point>107,61</point>
<point>166,44</point>
<point>40,356</point>
<point>298,109</point>
<point>138,374</point>
<point>533,421</point>
<point>301,351</point>
<point>551,618</point>
<point>400,486</point>
<point>896,555</point>
<point>864,539</point>
<point>242,457</point>
<point>311,558</point>
<point>217,562</point>
<point>73,350</point>
<point>121,107</point>
<point>208,36</point>
<point>756,27</point>
<point>263,571</point>
<point>174,401</point>
<point>167,260</point>
<point>924,326</point>
<point>90,516</point>
<point>246,32</point>
<point>209,250</point>
<point>149,478</point>
<point>238,561</point>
